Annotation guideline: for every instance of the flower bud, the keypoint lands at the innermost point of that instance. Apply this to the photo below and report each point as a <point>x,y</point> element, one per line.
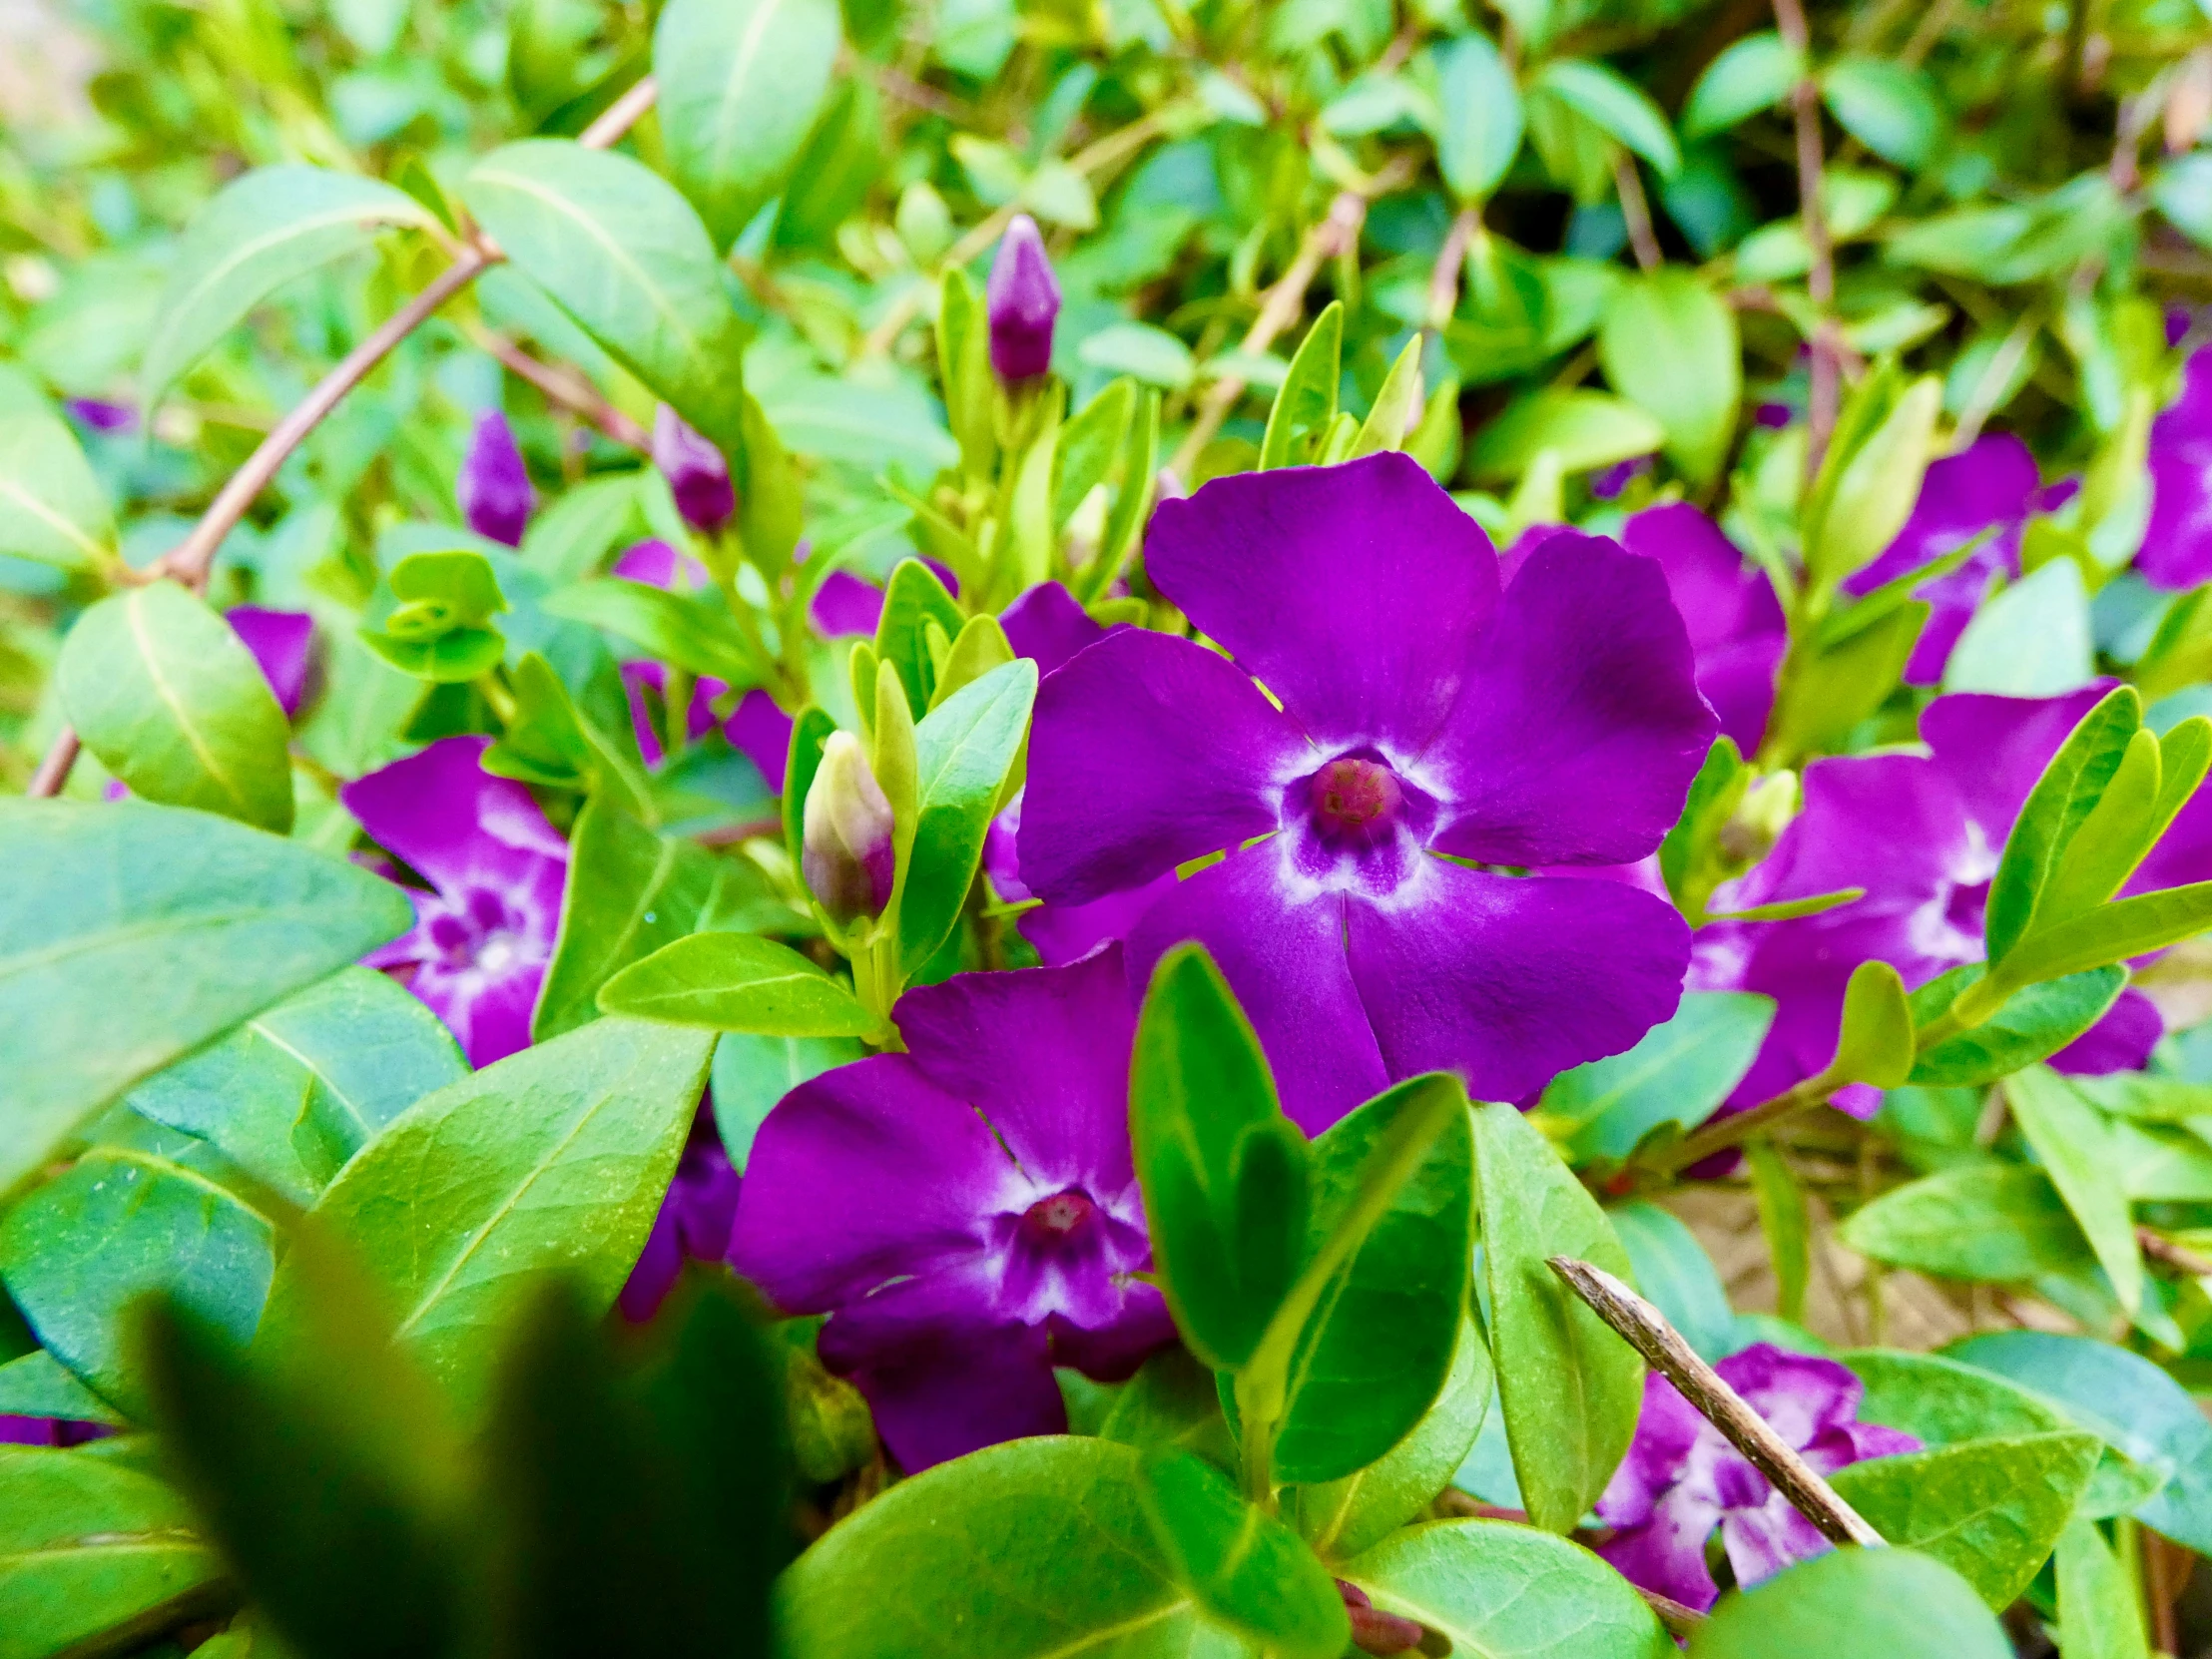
<point>495,486</point>
<point>698,475</point>
<point>1022,300</point>
<point>846,854</point>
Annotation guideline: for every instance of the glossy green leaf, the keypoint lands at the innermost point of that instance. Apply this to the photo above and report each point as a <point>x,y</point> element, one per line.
<point>1942,1403</point>
<point>92,1551</point>
<point>554,1159</point>
<point>1499,1591</point>
<point>114,1227</point>
<point>36,1385</point>
<point>629,892</point>
<point>2098,1615</point>
<point>737,982</point>
<point>52,508</point>
<point>2115,932</point>
<point>1989,1510</point>
<point>1343,1517</point>
<point>1892,108</point>
<point>1480,122</point>
<point>2056,808</point>
<point>1306,403</point>
<point>1875,1044</point>
<point>1584,429</point>
<point>1225,1174</point>
<point>1674,1274</point>
<point>1569,1388</point>
<point>1396,406</point>
<point>2072,1141</point>
<point>261,230</point>
<point>1751,74</point>
<point>1617,106</point>
<point>686,630</point>
<point>149,930</point>
<point>963,751</point>
<point>1849,1603</point>
<point>740,86</point>
<point>913,599</point>
<point>1783,1222</point>
<point>297,1090</point>
<point>753,1072</point>
<point>431,617</point>
<point>1172,1402</point>
<point>1089,443</point>
<point>1245,1568</point>
<point>628,259</point>
<point>582,739</point>
<point>2157,776</point>
<point>1993,1223</point>
<point>2035,639</point>
<point>170,699</point>
<point>1670,346</point>
<point>1874,484</point>
<point>2034,1024</point>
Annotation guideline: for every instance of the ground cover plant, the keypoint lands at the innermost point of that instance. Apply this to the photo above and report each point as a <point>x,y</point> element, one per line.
<point>1020,830</point>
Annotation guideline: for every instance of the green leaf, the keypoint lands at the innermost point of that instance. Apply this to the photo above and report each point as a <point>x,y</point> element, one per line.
<point>753,1072</point>
<point>1942,1403</point>
<point>1889,107</point>
<point>1395,406</point>
<point>1783,1220</point>
<point>1669,344</point>
<point>1875,1044</point>
<point>1751,74</point>
<point>1849,1603</point>
<point>1375,1354</point>
<point>1245,1568</point>
<point>2098,1617</point>
<point>2072,1140</point>
<point>293,1093</point>
<point>1678,1072</point>
<point>914,598</point>
<point>1991,1223</point>
<point>1172,1401</point>
<point>1306,403</point>
<point>1499,1591</point>
<point>431,617</point>
<point>963,749</point>
<point>1479,125</point>
<point>92,1553</point>
<point>1674,1274</point>
<point>555,1157</point>
<point>1343,1517</point>
<point>964,369</point>
<point>36,1385</point>
<point>1224,1171</point>
<point>1570,1389</point>
<point>626,257</point>
<point>1617,106</point>
<point>52,509</point>
<point>1869,494</point>
<point>738,982</point>
<point>2111,933</point>
<point>1846,682</point>
<point>171,701</point>
<point>2055,812</point>
<point>740,88</point>
<point>2157,777</point>
<point>147,931</point>
<point>112,1228</point>
<point>629,893</point>
<point>1089,441</point>
<point>1989,1510</point>
<point>1584,429</point>
<point>586,740</point>
<point>1037,1546</point>
<point>2032,1025</point>
<point>688,631</point>
<point>260,232</point>
<point>2034,639</point>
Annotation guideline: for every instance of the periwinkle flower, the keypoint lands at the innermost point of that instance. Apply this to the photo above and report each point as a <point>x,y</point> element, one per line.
<point>484,934</point>
<point>757,727</point>
<point>1680,1478</point>
<point>845,851</point>
<point>846,605</point>
<point>966,1212</point>
<point>1922,834</point>
<point>281,643</point>
<point>494,485</point>
<point>103,415</point>
<point>1418,728</point>
<point>1728,605</point>
<point>697,475</point>
<point>1022,300</point>
<point>692,1225</point>
<point>2177,541</point>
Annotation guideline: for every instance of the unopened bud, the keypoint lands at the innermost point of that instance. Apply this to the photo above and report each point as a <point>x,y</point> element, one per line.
<point>698,475</point>
<point>846,855</point>
<point>1023,300</point>
<point>495,486</point>
<point>1375,1632</point>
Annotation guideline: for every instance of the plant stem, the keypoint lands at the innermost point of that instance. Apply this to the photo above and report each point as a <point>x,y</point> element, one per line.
<point>1636,213</point>
<point>1820,282</point>
<point>1646,1330</point>
<point>565,388</point>
<point>1451,259</point>
<point>1740,1126</point>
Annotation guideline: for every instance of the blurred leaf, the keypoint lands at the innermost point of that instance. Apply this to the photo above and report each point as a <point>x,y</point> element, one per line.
<point>1751,74</point>
<point>431,617</point>
<point>1617,106</point>
<point>1669,344</point>
<point>1783,1222</point>
<point>56,512</point>
<point>1245,1568</point>
<point>1867,486</point>
<point>2098,1615</point>
<point>1306,403</point>
<point>1875,1044</point>
<point>1674,1274</point>
<point>737,982</point>
<point>2031,640</point>
<point>1584,429</point>
<point>753,1072</point>
<point>1679,1072</point>
<point>1992,1223</point>
<point>1890,107</point>
<point>1479,125</point>
<point>1847,1603</point>
<point>691,631</point>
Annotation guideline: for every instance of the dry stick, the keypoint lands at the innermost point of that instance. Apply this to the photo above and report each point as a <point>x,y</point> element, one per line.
<point>1789,17</point>
<point>1636,213</point>
<point>1451,259</point>
<point>565,388</point>
<point>1646,1330</point>
<point>191,559</point>
<point>2179,1256</point>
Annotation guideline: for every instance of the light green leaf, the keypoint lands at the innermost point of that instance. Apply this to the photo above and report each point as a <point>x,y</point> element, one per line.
<point>1875,1044</point>
<point>738,982</point>
<point>2032,640</point>
<point>753,1072</point>
<point>36,1385</point>
<point>1479,116</point>
<point>1617,106</point>
<point>1849,1603</point>
<point>1244,1567</point>
<point>1888,105</point>
<point>1150,354</point>
<point>2098,1617</point>
<point>963,751</point>
<point>167,695</point>
<point>1992,1223</point>
<point>1875,483</point>
<point>1584,429</point>
<point>740,86</point>
<point>1670,344</point>
<point>2056,810</point>
<point>1395,406</point>
<point>258,232</point>
<point>2032,1025</point>
<point>2112,933</point>
<point>147,931</point>
<point>2072,1140</point>
<point>1678,1072</point>
<point>1751,74</point>
<point>1306,403</point>
<point>52,509</point>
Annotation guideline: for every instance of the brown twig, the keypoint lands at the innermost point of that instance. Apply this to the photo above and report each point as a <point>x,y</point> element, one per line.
<point>1674,1617</point>
<point>1628,184</point>
<point>1820,282</point>
<point>1646,1330</point>
<point>565,388</point>
<point>1733,1130</point>
<point>1452,261</point>
<point>191,559</point>
<point>2166,1253</point>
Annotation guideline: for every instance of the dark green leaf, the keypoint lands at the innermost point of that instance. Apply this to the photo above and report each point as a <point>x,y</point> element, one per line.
<point>2054,812</point>
<point>1678,1072</point>
<point>1481,121</point>
<point>963,749</point>
<point>2034,1024</point>
<point>738,982</point>
<point>1245,1568</point>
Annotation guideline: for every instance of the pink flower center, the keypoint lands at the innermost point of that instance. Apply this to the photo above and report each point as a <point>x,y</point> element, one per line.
<point>1051,1220</point>
<point>1355,797</point>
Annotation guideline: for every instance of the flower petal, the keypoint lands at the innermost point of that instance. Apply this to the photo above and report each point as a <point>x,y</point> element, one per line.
<point>1994,749</point>
<point>1509,980</point>
<point>1667,1553</point>
<point>1147,752</point>
<point>1580,726</point>
<point>1762,1541</point>
<point>1048,627</point>
<point>2120,1042</point>
<point>488,1012</point>
<point>280,642</point>
<point>1993,483</point>
<point>1284,959</point>
<point>762,733</point>
<point>450,819</point>
<point>1354,593</point>
<point>2177,540</point>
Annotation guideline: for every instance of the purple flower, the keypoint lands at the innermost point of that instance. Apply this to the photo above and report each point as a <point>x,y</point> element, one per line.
<point>55,1432</point>
<point>495,486</point>
<point>483,936</point>
<point>1990,486</point>
<point>1681,1477</point>
<point>698,475</point>
<point>2177,541</point>
<point>1728,606</point>
<point>1922,836</point>
<point>692,1225</point>
<point>103,415</point>
<point>845,851</point>
<point>1607,486</point>
<point>1022,298</point>
<point>1428,725</point>
<point>280,642</point>
<point>966,1211</point>
<point>762,733</point>
<point>844,605</point>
